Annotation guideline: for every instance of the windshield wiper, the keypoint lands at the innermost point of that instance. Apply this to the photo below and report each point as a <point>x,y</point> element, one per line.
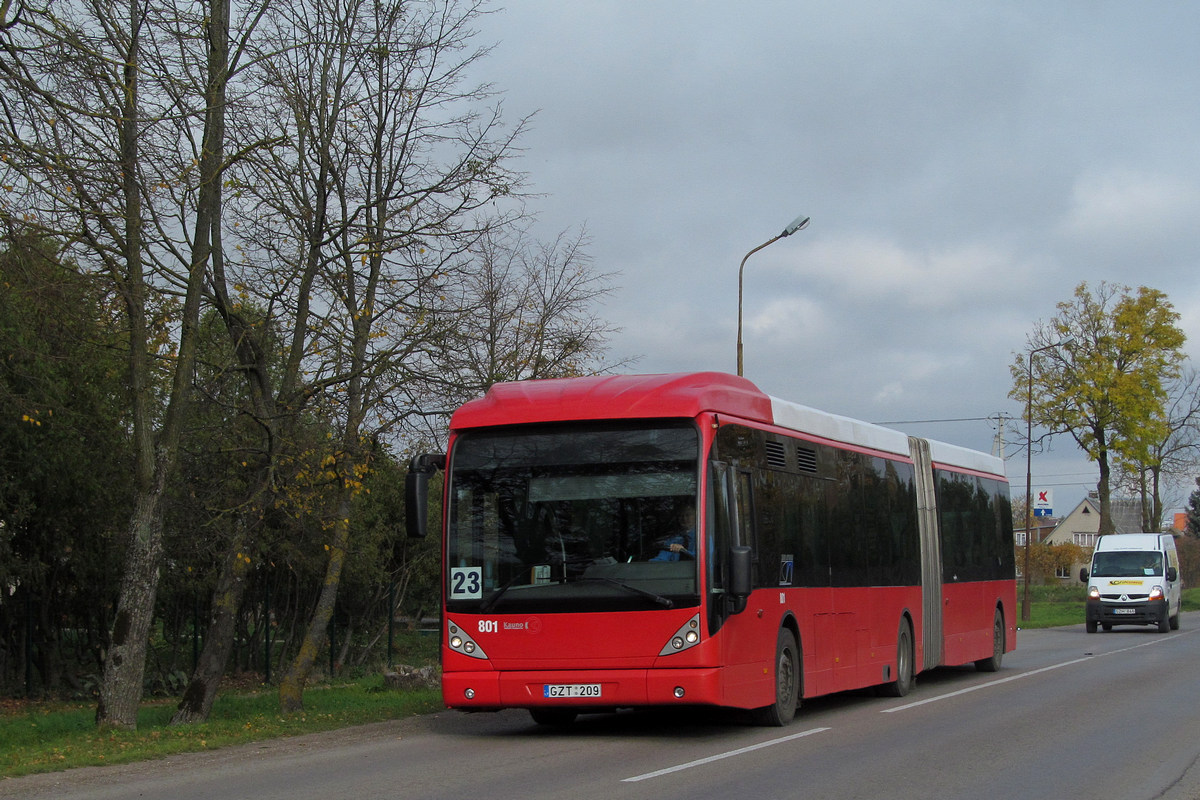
<point>495,596</point>
<point>665,602</point>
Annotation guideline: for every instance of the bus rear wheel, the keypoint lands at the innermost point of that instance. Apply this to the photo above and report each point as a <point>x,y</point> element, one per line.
<point>904,664</point>
<point>787,684</point>
<point>993,664</point>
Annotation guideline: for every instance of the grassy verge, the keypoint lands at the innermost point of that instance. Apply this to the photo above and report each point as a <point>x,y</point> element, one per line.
<point>55,736</point>
<point>1052,606</point>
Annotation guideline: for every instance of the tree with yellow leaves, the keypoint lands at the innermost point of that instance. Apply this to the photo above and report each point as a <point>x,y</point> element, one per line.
<point>1098,371</point>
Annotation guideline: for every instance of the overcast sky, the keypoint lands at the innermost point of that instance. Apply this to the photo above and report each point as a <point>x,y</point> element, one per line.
<point>965,166</point>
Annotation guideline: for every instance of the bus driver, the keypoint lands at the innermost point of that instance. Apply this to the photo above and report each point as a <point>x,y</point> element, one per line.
<point>682,544</point>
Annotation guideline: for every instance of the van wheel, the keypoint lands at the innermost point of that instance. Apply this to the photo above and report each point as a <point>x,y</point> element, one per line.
<point>1090,625</point>
<point>1164,624</point>
<point>904,664</point>
<point>993,664</point>
<point>1175,622</point>
<point>787,684</point>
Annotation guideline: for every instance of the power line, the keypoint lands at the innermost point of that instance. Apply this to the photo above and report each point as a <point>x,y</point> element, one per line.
<point>1043,485</point>
<point>925,421</point>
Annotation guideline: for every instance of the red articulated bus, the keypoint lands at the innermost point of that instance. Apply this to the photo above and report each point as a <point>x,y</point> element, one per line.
<point>686,539</point>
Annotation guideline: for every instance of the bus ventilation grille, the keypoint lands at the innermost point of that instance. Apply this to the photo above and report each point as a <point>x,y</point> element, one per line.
<point>776,455</point>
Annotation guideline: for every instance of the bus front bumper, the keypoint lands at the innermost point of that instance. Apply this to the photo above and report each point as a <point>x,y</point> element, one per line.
<point>490,690</point>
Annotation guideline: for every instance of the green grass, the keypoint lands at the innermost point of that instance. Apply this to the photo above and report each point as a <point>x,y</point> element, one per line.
<point>55,736</point>
<point>1052,606</point>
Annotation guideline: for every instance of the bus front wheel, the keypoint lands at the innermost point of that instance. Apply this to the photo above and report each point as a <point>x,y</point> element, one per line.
<point>787,683</point>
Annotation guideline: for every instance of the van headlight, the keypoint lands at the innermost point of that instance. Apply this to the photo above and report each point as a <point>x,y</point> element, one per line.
<point>1156,593</point>
<point>1094,593</point>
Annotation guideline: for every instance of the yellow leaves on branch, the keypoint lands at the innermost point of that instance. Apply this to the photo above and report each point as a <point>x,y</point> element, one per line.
<point>34,418</point>
<point>321,477</point>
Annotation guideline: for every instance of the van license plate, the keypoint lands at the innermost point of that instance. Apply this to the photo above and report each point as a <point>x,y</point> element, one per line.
<point>1124,610</point>
<point>571,690</point>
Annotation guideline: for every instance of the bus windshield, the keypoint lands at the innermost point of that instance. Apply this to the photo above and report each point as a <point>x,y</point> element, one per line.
<point>559,519</point>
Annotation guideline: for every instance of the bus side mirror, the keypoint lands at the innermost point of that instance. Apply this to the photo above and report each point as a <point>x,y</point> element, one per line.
<point>1172,574</point>
<point>741,575</point>
<point>416,492</point>
<point>1083,575</point>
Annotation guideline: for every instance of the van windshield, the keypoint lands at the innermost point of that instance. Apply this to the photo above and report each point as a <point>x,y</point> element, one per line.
<point>1127,564</point>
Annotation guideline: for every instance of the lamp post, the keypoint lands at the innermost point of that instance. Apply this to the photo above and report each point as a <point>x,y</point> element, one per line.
<point>799,223</point>
<point>1029,471</point>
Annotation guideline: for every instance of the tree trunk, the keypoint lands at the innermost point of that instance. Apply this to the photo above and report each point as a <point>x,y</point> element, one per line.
<point>1156,503</point>
<point>1102,489</point>
<point>125,664</point>
<point>197,701</point>
<point>1144,494</point>
<point>291,687</point>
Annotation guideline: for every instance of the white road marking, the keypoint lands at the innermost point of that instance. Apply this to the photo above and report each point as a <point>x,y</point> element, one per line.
<point>719,756</point>
<point>989,684</point>
<point>802,734</point>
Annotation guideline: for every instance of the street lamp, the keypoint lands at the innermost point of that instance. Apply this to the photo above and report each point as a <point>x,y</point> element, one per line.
<point>799,223</point>
<point>1029,471</point>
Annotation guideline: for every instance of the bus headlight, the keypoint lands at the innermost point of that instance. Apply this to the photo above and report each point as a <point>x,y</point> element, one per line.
<point>686,637</point>
<point>458,641</point>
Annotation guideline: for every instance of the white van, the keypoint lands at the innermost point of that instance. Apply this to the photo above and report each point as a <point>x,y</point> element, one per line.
<point>1134,580</point>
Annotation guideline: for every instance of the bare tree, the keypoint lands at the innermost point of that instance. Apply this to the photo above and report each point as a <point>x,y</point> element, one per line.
<point>328,179</point>
<point>530,313</point>
<point>352,233</point>
<point>90,162</point>
<point>1169,461</point>
<point>210,32</point>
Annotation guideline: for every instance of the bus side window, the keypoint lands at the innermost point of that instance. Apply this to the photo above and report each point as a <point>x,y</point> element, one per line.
<point>728,571</point>
<point>718,522</point>
<point>744,503</point>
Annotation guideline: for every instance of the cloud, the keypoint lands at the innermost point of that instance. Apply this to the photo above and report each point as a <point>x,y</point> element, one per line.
<point>1128,206</point>
<point>1188,306</point>
<point>965,166</point>
<point>868,269</point>
<point>791,321</point>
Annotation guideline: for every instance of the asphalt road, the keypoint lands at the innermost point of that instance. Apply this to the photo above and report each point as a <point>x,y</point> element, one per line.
<point>1070,715</point>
